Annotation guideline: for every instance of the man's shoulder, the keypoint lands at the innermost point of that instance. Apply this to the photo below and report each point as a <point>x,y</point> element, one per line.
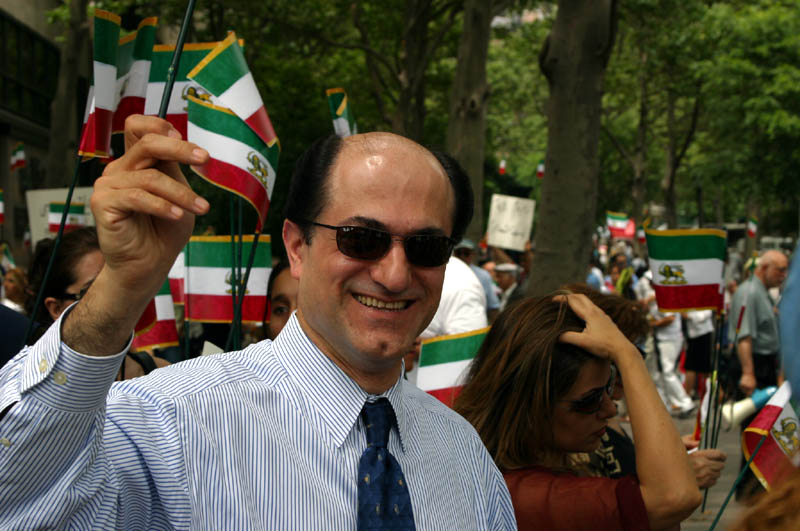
<point>203,374</point>
<point>422,403</point>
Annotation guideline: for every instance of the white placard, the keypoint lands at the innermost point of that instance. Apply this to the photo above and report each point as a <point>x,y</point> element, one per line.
<point>510,221</point>
<point>39,205</point>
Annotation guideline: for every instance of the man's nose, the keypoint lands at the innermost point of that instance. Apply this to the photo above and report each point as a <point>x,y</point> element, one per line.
<point>393,271</point>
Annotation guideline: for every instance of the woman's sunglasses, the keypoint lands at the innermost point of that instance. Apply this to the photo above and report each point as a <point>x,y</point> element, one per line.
<point>591,403</point>
<point>364,243</point>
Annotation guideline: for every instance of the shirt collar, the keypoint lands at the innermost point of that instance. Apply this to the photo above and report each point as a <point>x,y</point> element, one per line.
<point>333,399</point>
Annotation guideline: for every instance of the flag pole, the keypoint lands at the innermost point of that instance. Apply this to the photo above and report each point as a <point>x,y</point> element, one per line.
<point>234,280</point>
<point>711,421</point>
<point>736,483</point>
<point>718,404</point>
<point>56,245</point>
<point>176,60</point>
<point>242,285</point>
<point>250,261</point>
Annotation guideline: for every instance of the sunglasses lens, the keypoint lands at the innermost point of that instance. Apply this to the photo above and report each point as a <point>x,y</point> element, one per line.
<point>590,403</point>
<point>362,243</point>
<point>428,250</point>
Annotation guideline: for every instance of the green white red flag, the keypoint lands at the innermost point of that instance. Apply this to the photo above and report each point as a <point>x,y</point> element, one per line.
<point>18,157</point>
<point>7,259</point>
<point>343,122</point>
<point>161,59</point>
<point>96,136</point>
<point>687,267</point>
<point>208,279</point>
<point>225,75</point>
<point>540,169</point>
<point>620,225</point>
<point>239,160</point>
<point>176,278</point>
<point>163,332</point>
<point>134,54</point>
<point>752,226</point>
<point>75,218</point>
<point>2,208</point>
<point>443,363</point>
<point>778,421</point>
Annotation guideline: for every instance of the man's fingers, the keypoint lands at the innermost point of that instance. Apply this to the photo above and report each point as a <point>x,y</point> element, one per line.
<point>153,148</point>
<point>158,185</point>
<point>137,126</point>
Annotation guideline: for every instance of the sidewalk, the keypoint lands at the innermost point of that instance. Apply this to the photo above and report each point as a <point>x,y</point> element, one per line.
<point>730,443</point>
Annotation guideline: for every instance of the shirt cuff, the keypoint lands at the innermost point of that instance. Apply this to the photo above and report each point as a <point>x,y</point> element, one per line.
<point>64,379</point>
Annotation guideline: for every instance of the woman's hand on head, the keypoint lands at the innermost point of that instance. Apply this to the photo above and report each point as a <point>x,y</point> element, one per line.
<point>601,336</point>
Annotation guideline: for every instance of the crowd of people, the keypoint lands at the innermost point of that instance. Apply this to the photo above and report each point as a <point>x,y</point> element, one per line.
<point>320,426</point>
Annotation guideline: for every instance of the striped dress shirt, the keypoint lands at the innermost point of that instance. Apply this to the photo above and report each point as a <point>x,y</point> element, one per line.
<point>265,438</point>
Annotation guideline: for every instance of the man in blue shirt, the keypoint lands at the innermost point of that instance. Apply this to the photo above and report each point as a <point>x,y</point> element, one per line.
<point>272,437</point>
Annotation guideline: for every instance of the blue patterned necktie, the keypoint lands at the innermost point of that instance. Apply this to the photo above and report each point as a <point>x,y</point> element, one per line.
<point>383,499</point>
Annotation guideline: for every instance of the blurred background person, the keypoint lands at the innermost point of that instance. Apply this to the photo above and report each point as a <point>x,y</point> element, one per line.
<point>282,297</point>
<point>14,284</point>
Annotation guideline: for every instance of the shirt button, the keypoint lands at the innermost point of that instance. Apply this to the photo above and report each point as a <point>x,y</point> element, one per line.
<point>43,366</point>
<point>5,442</point>
<point>60,378</point>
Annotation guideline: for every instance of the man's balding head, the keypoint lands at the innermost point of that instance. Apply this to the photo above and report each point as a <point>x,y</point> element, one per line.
<point>772,268</point>
<point>309,187</point>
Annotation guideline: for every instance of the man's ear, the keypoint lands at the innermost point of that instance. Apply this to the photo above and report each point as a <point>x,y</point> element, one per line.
<point>54,307</point>
<point>296,247</point>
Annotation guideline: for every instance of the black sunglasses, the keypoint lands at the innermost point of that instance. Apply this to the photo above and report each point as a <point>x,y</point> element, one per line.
<point>76,296</point>
<point>365,243</point>
<point>591,403</point>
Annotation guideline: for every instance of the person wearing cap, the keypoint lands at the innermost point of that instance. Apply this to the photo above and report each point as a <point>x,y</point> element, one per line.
<point>465,250</point>
<point>507,278</point>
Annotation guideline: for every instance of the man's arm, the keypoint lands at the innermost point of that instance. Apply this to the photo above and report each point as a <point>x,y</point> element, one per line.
<point>744,349</point>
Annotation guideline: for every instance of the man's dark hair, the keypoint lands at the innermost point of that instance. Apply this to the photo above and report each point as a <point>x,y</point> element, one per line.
<point>462,190</point>
<point>308,188</point>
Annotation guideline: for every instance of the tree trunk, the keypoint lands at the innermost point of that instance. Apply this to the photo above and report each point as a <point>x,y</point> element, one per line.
<point>466,130</point>
<point>408,118</point>
<point>574,60</point>
<point>63,145</point>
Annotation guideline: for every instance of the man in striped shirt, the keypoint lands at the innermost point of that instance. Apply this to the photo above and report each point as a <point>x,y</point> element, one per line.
<point>270,437</point>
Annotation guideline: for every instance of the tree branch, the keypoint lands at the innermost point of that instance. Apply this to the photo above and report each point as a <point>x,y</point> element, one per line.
<point>617,144</point>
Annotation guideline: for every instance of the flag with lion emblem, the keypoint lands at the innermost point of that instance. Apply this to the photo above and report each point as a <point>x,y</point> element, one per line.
<point>778,422</point>
<point>687,267</point>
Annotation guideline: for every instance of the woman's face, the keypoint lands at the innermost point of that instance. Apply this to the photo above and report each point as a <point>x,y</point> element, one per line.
<point>283,301</point>
<point>577,431</point>
<point>13,289</point>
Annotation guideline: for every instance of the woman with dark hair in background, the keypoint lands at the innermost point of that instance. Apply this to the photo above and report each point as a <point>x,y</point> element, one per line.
<point>539,394</point>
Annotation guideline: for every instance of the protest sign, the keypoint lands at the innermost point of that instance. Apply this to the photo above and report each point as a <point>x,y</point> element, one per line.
<point>510,221</point>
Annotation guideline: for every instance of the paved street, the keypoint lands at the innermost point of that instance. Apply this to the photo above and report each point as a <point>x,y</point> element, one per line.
<point>729,442</point>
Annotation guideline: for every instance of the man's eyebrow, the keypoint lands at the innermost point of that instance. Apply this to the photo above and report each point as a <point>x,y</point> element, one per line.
<point>375,224</point>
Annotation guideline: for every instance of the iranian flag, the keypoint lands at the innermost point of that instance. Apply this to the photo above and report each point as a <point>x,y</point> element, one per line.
<point>752,226</point>
<point>7,259</point>
<point>778,422</point>
<point>208,279</point>
<point>620,225</point>
<point>161,59</point>
<point>225,75</point>
<point>343,122</point>
<point>239,160</point>
<point>443,362</point>
<point>176,278</point>
<point>687,268</point>
<point>133,72</point>
<point>2,208</point>
<point>163,332</point>
<point>76,217</point>
<point>18,157</point>
<point>540,169</point>
<point>96,136</point>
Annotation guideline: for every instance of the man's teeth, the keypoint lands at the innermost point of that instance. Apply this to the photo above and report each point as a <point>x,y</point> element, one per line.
<point>375,303</point>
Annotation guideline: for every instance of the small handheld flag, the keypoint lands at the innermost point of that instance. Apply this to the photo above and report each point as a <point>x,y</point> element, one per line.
<point>208,279</point>
<point>18,157</point>
<point>752,226</point>
<point>540,169</point>
<point>163,333</point>
<point>687,267</point>
<point>134,56</point>
<point>343,122</point>
<point>444,360</point>
<point>96,136</point>
<point>502,168</point>
<point>620,226</point>
<point>75,218</point>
